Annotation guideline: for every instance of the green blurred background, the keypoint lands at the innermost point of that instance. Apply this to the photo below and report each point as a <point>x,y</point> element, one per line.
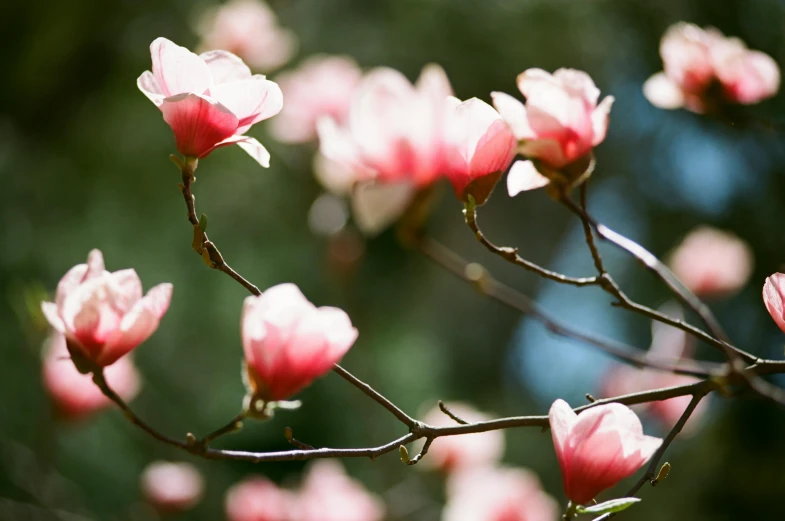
<point>84,164</point>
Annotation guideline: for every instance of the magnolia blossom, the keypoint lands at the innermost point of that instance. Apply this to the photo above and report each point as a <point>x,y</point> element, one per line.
<point>328,494</point>
<point>258,499</point>
<point>74,394</point>
<point>557,128</point>
<point>598,448</point>
<point>288,342</point>
<point>711,262</point>
<point>498,494</point>
<point>249,29</point>
<point>322,86</point>
<point>481,147</point>
<point>172,487</point>
<point>774,296</point>
<point>696,60</point>
<point>103,315</point>
<point>457,453</point>
<point>668,345</point>
<point>395,130</point>
<point>209,100</point>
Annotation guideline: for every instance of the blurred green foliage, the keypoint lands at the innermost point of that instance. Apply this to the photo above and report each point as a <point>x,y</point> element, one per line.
<point>83,164</point>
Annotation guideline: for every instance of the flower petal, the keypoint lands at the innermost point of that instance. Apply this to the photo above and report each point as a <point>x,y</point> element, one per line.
<point>150,88</point>
<point>514,114</point>
<point>199,123</point>
<point>52,316</point>
<point>599,120</point>
<point>523,176</point>
<point>178,70</point>
<point>225,66</point>
<point>662,92</point>
<point>375,206</point>
<point>254,149</point>
<point>251,100</point>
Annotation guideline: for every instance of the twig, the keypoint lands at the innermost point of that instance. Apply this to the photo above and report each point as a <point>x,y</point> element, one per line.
<point>422,452</point>
<point>233,426</point>
<point>451,414</point>
<point>376,396</point>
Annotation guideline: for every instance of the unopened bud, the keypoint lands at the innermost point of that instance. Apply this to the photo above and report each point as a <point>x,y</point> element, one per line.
<point>663,473</point>
<point>404,454</point>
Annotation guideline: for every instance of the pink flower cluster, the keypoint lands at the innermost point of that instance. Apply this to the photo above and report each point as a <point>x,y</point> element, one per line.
<point>703,68</point>
<point>326,494</point>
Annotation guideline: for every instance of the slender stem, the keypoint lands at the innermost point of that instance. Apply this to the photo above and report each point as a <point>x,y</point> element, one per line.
<point>422,452</point>
<point>451,414</point>
<point>595,253</point>
<point>481,279</point>
<point>233,426</point>
<point>511,254</point>
<point>375,396</point>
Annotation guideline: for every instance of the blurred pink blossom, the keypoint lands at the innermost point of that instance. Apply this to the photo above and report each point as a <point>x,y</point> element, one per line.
<point>288,342</point>
<point>329,494</point>
<point>395,130</point>
<point>668,345</point>
<point>469,451</point>
<point>172,487</point>
<point>322,86</point>
<point>712,263</point>
<point>481,147</point>
<point>104,315</point>
<point>597,448</point>
<point>497,494</point>
<point>695,60</point>
<point>258,499</point>
<point>209,100</point>
<point>558,126</point>
<point>774,298</point>
<point>74,394</point>
<point>249,29</point>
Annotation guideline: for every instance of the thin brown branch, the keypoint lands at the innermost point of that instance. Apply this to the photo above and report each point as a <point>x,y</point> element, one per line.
<point>233,426</point>
<point>451,414</point>
<point>376,396</point>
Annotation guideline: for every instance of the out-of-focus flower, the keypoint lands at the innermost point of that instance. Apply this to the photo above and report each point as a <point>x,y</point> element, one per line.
<point>209,100</point>
<point>498,494</point>
<point>668,345</point>
<point>74,394</point>
<point>481,147</point>
<point>329,494</point>
<point>712,263</point>
<point>697,60</point>
<point>104,315</point>
<point>395,130</point>
<point>172,487</point>
<point>557,128</point>
<point>258,499</point>
<point>249,29</point>
<point>457,453</point>
<point>322,86</point>
<point>597,448</point>
<point>774,296</point>
<point>288,342</point>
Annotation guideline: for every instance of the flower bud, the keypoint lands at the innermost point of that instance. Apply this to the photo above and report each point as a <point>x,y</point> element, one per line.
<point>774,298</point>
<point>172,487</point>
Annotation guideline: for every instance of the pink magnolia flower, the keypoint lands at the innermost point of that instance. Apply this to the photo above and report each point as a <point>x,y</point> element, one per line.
<point>396,130</point>
<point>668,345</point>
<point>288,342</point>
<point>773,297</point>
<point>103,315</point>
<point>322,86</point>
<point>172,487</point>
<point>258,499</point>
<point>711,262</point>
<point>695,60</point>
<point>457,453</point>
<point>598,448</point>
<point>481,148</point>
<point>329,494</point>
<point>209,100</point>
<point>558,126</point>
<point>74,394</point>
<point>249,29</point>
<point>498,494</point>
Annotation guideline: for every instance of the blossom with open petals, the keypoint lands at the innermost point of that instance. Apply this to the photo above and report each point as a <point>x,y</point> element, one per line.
<point>497,494</point>
<point>209,100</point>
<point>712,262</point>
<point>172,487</point>
<point>697,60</point>
<point>329,494</point>
<point>557,128</point>
<point>104,315</point>
<point>481,147</point>
<point>598,447</point>
<point>74,394</point>
<point>288,342</point>
<point>774,298</point>
<point>322,86</point>
<point>249,29</point>
<point>258,499</point>
<point>457,453</point>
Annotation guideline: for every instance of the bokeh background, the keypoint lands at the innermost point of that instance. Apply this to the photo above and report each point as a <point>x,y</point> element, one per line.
<point>84,164</point>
